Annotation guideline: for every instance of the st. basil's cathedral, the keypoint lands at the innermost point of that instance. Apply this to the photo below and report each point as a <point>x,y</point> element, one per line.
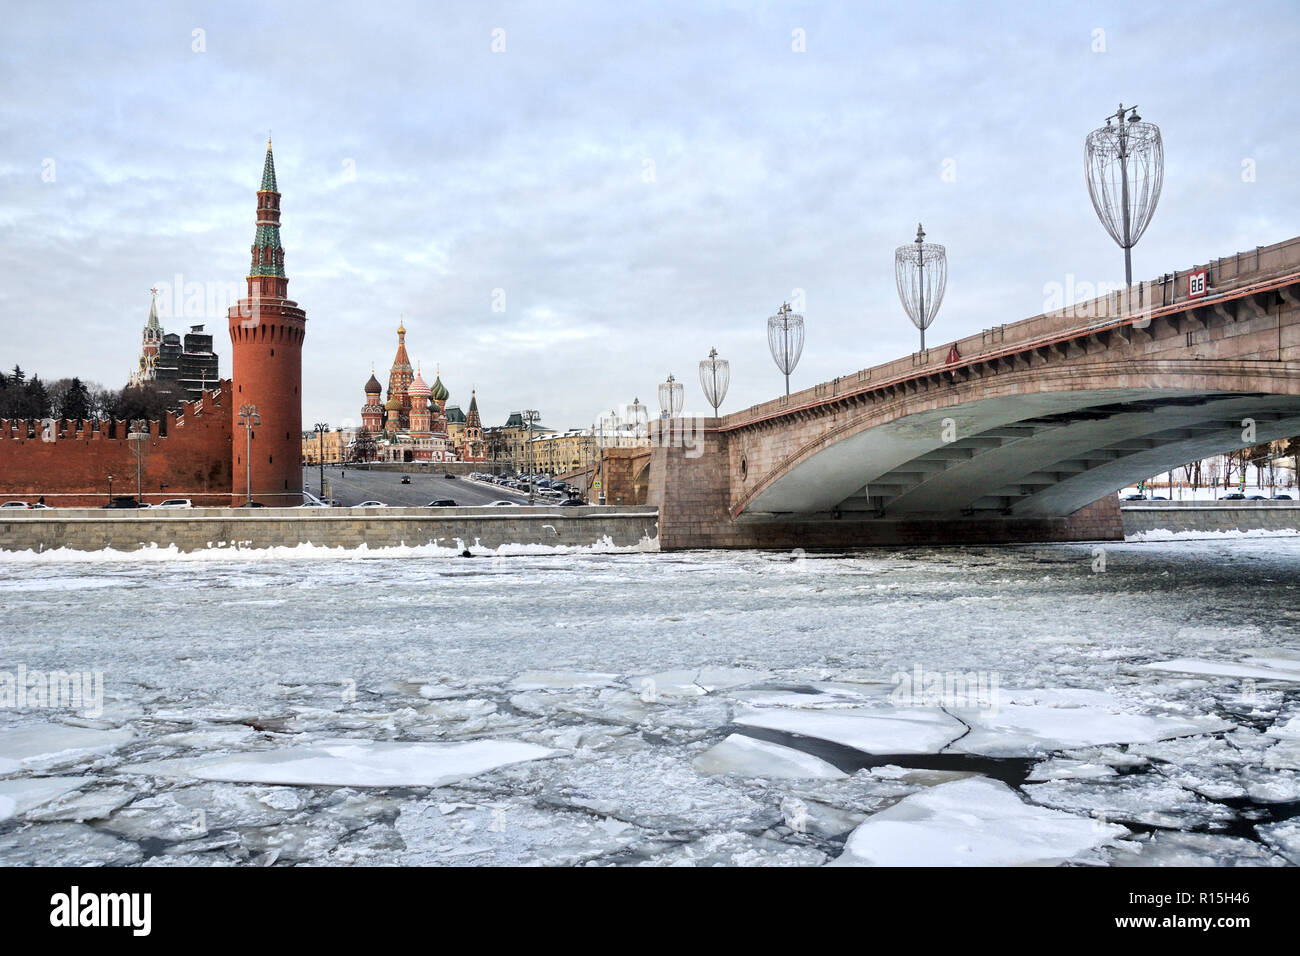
<point>412,424</point>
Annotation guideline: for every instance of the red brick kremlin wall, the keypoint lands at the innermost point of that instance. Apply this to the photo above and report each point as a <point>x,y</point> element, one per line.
<point>192,459</point>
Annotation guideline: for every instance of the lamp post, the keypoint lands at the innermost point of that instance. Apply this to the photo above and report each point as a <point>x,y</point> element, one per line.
<point>715,377</point>
<point>785,340</point>
<point>530,416</point>
<point>604,424</point>
<point>921,272</point>
<point>110,489</point>
<point>672,394</point>
<point>1125,169</point>
<point>248,417</point>
<point>321,429</point>
<point>139,435</point>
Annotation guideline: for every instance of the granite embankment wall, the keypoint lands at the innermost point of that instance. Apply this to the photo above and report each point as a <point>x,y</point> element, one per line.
<point>201,528</point>
<point>1210,516</point>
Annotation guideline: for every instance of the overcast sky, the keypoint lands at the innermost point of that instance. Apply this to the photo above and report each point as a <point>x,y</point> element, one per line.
<point>642,182</point>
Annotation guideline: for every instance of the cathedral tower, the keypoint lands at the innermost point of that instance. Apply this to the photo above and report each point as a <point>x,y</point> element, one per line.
<point>266,332</point>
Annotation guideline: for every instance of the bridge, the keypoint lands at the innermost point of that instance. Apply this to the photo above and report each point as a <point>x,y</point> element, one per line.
<point>1023,432</point>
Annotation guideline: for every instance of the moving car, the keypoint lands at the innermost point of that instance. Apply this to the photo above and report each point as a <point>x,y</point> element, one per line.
<point>247,504</point>
<point>449,475</point>
<point>123,501</point>
<point>1235,496</point>
<point>1256,498</point>
<point>406,479</point>
<point>442,503</point>
<point>504,504</point>
<point>15,504</point>
<point>176,503</point>
<point>372,504</point>
<point>1135,497</point>
<point>572,503</point>
<point>1281,497</point>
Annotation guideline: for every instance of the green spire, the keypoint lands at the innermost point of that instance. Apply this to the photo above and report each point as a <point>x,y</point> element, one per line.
<point>268,171</point>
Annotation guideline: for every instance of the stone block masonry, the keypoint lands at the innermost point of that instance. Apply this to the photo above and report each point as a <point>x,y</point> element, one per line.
<point>1211,517</point>
<point>202,528</point>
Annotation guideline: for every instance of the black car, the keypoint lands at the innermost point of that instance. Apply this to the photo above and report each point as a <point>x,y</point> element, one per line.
<point>449,475</point>
<point>406,479</point>
<point>442,503</point>
<point>1281,497</point>
<point>1235,496</point>
<point>571,503</point>
<point>1135,497</point>
<point>251,504</point>
<point>1256,498</point>
<point>123,501</point>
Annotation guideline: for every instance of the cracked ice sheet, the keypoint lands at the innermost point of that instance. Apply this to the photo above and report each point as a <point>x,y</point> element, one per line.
<point>748,757</point>
<point>28,793</point>
<point>506,832</point>
<point>973,822</point>
<point>40,746</point>
<point>354,763</point>
<point>1257,668</point>
<point>1034,722</point>
<point>872,730</point>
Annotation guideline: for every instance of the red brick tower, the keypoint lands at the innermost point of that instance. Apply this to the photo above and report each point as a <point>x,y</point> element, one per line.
<point>266,331</point>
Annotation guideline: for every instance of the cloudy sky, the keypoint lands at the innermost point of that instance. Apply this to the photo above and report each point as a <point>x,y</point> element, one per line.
<point>633,183</point>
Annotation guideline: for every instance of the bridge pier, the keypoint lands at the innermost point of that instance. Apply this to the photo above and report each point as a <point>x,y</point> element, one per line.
<point>691,477</point>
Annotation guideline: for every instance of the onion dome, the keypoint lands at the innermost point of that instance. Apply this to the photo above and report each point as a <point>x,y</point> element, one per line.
<point>394,404</point>
<point>417,386</point>
<point>439,391</point>
<point>373,387</point>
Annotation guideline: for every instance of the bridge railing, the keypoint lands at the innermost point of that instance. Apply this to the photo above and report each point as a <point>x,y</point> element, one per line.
<point>1224,275</point>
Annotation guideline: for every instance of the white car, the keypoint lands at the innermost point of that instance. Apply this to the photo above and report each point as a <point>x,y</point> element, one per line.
<point>175,503</point>
<point>15,504</point>
<point>504,504</point>
<point>372,504</point>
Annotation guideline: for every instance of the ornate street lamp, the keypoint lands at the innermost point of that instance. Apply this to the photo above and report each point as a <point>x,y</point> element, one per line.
<point>715,376</point>
<point>921,271</point>
<point>248,417</point>
<point>638,420</point>
<point>1125,170</point>
<point>321,429</point>
<point>672,394</point>
<point>785,340</point>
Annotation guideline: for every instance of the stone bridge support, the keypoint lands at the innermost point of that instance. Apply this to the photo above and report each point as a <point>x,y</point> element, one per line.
<point>690,483</point>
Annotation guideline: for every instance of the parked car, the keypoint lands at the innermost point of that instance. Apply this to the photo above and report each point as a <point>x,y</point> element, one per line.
<point>372,504</point>
<point>16,504</point>
<point>1281,497</point>
<point>442,503</point>
<point>572,503</point>
<point>504,504</point>
<point>123,501</point>
<point>406,479</point>
<point>1159,498</point>
<point>176,503</point>
<point>1235,496</point>
<point>1256,498</point>
<point>1135,497</point>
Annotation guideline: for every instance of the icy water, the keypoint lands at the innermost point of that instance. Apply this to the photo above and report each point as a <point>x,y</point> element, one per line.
<point>1134,707</point>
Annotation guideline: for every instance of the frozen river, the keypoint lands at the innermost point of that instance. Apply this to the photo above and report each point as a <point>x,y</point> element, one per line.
<point>1135,706</point>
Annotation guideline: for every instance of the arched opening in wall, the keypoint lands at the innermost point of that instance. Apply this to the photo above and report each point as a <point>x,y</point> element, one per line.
<point>641,485</point>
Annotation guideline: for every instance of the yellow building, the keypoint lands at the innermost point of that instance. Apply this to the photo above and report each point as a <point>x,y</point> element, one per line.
<point>335,448</point>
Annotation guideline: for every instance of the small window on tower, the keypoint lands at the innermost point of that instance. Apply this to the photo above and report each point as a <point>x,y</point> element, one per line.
<point>270,459</point>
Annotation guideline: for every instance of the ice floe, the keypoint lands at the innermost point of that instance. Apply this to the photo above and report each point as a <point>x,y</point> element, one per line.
<point>354,763</point>
<point>41,746</point>
<point>747,757</point>
<point>972,822</point>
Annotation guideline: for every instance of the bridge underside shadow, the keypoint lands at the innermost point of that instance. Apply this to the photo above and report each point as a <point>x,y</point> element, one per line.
<point>1005,468</point>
